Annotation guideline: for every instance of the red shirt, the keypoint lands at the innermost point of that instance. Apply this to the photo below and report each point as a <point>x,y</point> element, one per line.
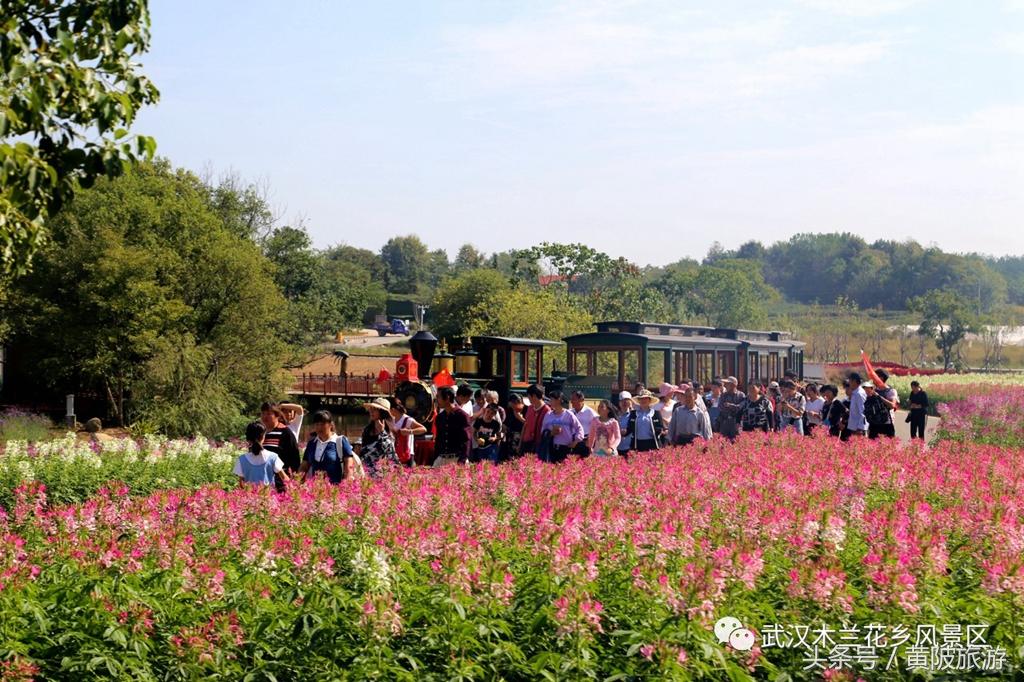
<point>534,419</point>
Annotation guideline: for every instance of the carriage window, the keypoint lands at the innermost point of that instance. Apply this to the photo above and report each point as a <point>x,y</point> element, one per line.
<point>497,362</point>
<point>726,363</point>
<point>684,365</point>
<point>656,368</point>
<point>606,364</point>
<point>631,368</point>
<point>534,366</point>
<point>519,365</point>
<point>580,364</point>
<point>765,374</point>
<point>704,366</point>
<point>753,369</point>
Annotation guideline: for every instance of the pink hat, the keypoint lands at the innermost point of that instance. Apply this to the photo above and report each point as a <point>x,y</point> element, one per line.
<point>666,389</point>
<point>683,388</point>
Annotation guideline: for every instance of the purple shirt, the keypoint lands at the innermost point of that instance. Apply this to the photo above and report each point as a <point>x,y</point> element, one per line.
<point>572,430</point>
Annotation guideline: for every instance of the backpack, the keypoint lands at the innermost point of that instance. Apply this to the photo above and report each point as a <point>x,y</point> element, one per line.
<point>875,412</point>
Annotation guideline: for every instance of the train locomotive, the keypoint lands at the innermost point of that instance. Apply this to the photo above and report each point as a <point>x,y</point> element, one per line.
<point>494,363</point>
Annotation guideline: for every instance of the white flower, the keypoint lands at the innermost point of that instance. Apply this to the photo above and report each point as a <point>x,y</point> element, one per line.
<point>371,564</point>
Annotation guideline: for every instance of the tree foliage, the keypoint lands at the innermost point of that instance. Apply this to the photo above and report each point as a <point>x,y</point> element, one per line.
<point>527,313</point>
<point>946,320</point>
<point>810,268</point>
<point>461,293</point>
<point>607,288</point>
<point>69,92</point>
<point>468,258</point>
<point>144,296</point>
<point>723,295</point>
<point>408,264</point>
<point>326,293</point>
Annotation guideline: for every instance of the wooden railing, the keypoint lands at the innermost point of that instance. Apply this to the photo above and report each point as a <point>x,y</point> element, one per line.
<point>327,384</point>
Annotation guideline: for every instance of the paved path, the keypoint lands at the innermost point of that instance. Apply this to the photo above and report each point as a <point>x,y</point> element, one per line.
<point>903,428</point>
<point>369,338</point>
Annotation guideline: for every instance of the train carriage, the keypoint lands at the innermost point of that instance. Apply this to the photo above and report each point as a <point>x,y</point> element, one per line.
<point>621,354</point>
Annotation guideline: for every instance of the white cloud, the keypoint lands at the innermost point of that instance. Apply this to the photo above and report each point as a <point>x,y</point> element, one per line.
<point>1011,42</point>
<point>664,63</point>
<point>860,8</point>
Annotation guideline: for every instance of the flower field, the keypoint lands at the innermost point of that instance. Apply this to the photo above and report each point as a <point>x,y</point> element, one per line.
<point>945,388</point>
<point>993,417</point>
<point>598,569</point>
<point>72,470</point>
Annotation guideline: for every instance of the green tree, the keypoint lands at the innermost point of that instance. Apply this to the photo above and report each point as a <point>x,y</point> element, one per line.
<point>437,269</point>
<point>724,295</point>
<point>243,207</point>
<point>630,298</point>
<point>363,258</point>
<point>408,263</point>
<point>461,293</point>
<point>290,249</point>
<point>69,92</point>
<point>527,313</point>
<point>468,258</point>
<point>325,294</point>
<point>946,320</point>
<point>144,296</point>
<point>608,288</point>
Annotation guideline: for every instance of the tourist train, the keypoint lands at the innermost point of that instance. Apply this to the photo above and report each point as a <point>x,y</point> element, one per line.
<point>618,355</point>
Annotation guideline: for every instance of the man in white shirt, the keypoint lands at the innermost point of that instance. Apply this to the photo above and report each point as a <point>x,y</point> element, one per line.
<point>586,416</point>
<point>855,425</point>
<point>464,400</point>
<point>293,412</point>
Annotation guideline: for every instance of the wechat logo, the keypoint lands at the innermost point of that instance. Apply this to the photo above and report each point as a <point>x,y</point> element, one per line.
<point>730,631</point>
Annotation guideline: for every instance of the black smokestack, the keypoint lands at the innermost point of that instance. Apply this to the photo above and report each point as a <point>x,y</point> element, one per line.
<point>422,346</point>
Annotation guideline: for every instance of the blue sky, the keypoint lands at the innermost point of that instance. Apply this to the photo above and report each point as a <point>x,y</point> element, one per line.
<point>645,129</point>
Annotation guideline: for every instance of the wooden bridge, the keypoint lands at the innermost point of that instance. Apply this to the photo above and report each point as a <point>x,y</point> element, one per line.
<point>333,386</point>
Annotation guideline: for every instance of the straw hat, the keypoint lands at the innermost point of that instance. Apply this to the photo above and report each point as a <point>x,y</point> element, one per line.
<point>378,403</point>
<point>645,395</point>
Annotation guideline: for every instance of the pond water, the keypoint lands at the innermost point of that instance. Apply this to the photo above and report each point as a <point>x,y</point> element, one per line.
<point>349,425</point>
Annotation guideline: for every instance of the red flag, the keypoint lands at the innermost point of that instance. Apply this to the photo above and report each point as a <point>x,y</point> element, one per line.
<point>444,378</point>
<point>384,375</point>
<point>872,374</point>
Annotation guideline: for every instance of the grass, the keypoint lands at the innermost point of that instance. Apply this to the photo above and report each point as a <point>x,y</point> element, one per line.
<point>20,425</point>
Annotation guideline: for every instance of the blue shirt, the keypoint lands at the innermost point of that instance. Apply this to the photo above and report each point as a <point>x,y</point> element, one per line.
<point>259,469</point>
<point>324,457</point>
<point>626,443</point>
<point>856,421</point>
<point>645,424</point>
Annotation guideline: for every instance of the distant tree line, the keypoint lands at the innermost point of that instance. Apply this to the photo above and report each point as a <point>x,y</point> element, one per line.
<point>823,268</point>
<point>177,300</point>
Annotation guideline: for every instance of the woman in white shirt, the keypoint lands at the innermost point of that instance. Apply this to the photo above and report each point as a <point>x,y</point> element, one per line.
<point>813,409</point>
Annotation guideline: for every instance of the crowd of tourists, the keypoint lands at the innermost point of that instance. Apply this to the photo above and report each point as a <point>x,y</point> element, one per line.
<point>472,426</point>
